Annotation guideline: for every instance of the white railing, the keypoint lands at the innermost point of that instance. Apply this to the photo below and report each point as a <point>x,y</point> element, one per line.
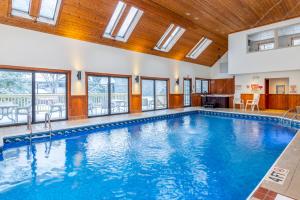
<point>101,98</point>
<point>43,101</point>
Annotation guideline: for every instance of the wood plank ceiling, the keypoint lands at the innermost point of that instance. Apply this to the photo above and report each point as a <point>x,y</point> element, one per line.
<point>216,19</point>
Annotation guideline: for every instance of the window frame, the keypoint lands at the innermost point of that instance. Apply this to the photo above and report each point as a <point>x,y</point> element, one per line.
<point>57,12</point>
<point>169,38</point>
<point>191,91</point>
<point>96,74</point>
<point>293,39</point>
<point>202,79</point>
<point>33,71</point>
<point>154,79</point>
<point>109,33</point>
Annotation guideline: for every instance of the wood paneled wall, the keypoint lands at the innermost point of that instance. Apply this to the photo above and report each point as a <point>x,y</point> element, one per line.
<point>196,99</point>
<point>222,86</point>
<point>176,101</point>
<point>283,101</point>
<point>136,103</point>
<point>78,108</point>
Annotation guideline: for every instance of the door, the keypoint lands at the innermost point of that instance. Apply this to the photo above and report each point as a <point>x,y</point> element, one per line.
<point>154,94</point>
<point>107,95</point>
<point>187,90</point>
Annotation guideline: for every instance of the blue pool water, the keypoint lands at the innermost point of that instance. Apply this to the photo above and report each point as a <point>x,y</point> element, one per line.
<point>189,157</point>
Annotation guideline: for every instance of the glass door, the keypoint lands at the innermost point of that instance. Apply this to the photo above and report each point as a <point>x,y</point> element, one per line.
<point>119,95</point>
<point>161,94</point>
<point>154,94</point>
<point>187,90</point>
<point>98,95</point>
<point>15,96</point>
<point>107,95</point>
<point>147,94</point>
<point>50,96</point>
<point>35,93</point>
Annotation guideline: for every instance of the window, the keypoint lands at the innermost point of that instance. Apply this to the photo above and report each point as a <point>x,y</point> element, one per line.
<point>21,8</point>
<point>49,11</point>
<point>50,95</point>
<point>187,91</point>
<point>202,86</point>
<point>128,25</point>
<point>24,93</point>
<point>199,48</point>
<point>296,41</point>
<point>261,41</point>
<point>170,37</point>
<point>154,94</point>
<point>266,46</point>
<point>107,95</point>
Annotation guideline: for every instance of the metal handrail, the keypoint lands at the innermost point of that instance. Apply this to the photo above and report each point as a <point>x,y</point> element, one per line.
<point>29,126</point>
<point>48,122</point>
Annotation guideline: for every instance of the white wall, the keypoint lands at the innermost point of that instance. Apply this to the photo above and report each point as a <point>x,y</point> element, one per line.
<point>21,47</point>
<point>215,69</point>
<point>240,61</point>
<point>274,82</point>
<point>244,81</point>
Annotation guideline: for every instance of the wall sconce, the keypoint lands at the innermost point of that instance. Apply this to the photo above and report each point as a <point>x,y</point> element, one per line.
<point>79,75</point>
<point>137,79</point>
<point>177,81</point>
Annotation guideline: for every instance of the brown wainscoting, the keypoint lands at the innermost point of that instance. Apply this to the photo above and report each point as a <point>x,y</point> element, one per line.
<point>196,99</point>
<point>222,86</point>
<point>136,103</point>
<point>246,97</point>
<point>294,100</point>
<point>176,101</point>
<point>78,107</point>
<point>278,101</point>
<point>284,101</point>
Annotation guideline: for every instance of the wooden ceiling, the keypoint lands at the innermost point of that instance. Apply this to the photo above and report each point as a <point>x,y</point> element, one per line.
<point>86,20</point>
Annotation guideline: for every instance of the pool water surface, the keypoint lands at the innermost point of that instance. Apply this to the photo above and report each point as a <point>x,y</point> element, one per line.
<point>187,157</point>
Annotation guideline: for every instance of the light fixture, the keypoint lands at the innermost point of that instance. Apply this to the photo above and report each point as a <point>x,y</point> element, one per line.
<point>137,79</point>
<point>177,81</point>
<point>78,75</point>
<point>199,48</point>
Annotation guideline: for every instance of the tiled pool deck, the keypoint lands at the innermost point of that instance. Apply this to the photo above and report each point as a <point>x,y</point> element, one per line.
<point>289,159</point>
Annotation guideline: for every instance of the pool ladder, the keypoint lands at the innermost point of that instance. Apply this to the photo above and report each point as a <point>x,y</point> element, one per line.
<point>286,117</point>
<point>47,125</point>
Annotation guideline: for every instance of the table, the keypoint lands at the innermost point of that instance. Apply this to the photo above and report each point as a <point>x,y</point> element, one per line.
<point>6,110</point>
<point>215,100</point>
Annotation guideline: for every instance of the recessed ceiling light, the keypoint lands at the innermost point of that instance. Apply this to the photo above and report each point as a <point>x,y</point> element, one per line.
<point>188,14</point>
<point>196,18</point>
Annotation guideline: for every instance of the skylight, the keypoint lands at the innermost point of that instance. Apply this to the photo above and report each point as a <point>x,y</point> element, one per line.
<point>49,11</point>
<point>128,24</point>
<point>169,38</point>
<point>199,48</point>
<point>21,8</point>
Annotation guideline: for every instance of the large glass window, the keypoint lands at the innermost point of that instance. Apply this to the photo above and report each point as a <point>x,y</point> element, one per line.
<point>187,87</point>
<point>119,95</point>
<point>202,86</point>
<point>24,93</point>
<point>50,95</point>
<point>107,95</point>
<point>154,94</point>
